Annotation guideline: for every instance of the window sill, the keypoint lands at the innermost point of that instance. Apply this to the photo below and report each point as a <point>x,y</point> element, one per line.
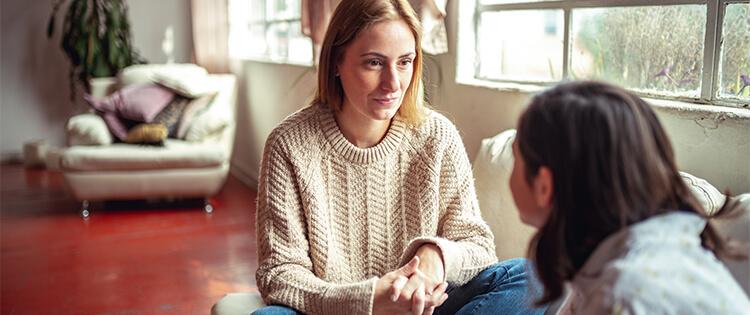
<point>275,61</point>
<point>681,108</point>
<point>691,109</point>
<point>502,86</point>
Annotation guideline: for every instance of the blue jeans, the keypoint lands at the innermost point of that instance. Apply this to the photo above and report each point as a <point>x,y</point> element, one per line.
<point>502,288</point>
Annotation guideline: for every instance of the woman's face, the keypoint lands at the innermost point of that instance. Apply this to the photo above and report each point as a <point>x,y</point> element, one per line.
<point>532,199</point>
<point>376,70</point>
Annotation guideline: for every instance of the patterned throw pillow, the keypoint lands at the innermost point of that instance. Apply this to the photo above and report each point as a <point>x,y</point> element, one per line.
<point>194,109</point>
<point>170,115</point>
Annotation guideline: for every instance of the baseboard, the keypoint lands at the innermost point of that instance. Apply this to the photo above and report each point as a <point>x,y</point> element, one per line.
<point>244,174</point>
<point>11,158</point>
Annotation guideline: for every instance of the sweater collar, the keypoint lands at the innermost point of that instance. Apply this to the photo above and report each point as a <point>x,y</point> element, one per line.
<point>352,153</point>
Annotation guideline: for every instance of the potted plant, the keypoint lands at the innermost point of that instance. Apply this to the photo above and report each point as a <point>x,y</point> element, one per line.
<point>96,39</point>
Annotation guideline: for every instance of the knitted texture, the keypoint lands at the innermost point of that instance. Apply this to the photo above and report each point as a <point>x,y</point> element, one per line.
<point>333,217</point>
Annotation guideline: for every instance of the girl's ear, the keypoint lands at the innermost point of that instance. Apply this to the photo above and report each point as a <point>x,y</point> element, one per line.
<point>543,188</point>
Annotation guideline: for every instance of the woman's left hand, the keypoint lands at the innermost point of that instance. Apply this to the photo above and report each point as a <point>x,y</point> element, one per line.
<point>431,263</point>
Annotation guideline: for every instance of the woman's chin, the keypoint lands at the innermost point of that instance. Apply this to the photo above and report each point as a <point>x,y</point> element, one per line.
<point>384,114</point>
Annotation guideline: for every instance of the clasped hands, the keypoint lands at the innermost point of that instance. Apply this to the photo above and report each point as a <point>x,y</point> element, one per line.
<point>417,288</point>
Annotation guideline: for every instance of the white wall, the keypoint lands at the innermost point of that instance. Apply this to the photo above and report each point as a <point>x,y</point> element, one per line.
<point>34,102</point>
<point>267,94</point>
<point>718,152</point>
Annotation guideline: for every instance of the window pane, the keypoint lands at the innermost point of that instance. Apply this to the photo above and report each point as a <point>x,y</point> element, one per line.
<point>510,1</point>
<point>651,49</point>
<point>521,45</point>
<point>735,53</point>
<point>286,43</point>
<point>256,10</point>
<point>282,9</point>
<point>246,29</point>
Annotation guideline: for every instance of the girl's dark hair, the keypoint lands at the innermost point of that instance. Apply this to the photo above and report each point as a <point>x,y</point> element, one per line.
<point>612,166</point>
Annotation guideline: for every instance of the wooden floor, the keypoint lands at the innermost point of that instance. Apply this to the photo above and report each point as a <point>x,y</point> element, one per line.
<point>134,258</point>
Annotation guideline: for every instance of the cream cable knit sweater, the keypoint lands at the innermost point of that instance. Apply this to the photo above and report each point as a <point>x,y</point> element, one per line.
<point>333,217</point>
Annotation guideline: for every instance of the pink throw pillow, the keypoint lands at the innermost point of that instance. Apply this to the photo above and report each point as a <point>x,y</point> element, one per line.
<point>139,103</point>
<point>116,126</point>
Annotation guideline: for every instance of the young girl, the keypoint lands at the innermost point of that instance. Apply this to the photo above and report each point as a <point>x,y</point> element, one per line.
<point>595,172</point>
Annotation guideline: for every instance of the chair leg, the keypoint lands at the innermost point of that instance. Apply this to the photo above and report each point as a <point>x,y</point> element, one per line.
<point>207,206</point>
<point>85,206</point>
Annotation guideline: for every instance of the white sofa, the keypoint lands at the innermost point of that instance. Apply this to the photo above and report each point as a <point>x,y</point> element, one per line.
<point>96,169</point>
<point>492,168</point>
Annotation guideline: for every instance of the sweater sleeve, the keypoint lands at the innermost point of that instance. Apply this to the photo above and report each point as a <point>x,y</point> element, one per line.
<point>285,274</point>
<point>465,240</point>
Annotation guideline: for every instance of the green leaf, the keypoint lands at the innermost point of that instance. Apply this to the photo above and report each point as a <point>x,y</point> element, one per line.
<point>96,38</point>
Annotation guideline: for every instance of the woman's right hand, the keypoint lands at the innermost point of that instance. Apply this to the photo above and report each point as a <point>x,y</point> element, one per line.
<point>388,289</point>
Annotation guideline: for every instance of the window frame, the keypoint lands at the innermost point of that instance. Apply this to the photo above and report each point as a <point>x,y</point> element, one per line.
<point>266,23</point>
<point>468,64</point>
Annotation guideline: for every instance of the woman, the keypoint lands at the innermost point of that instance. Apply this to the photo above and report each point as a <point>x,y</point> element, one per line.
<point>595,172</point>
<point>366,201</point>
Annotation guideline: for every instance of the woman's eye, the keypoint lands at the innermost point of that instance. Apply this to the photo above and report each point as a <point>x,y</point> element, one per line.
<point>374,63</point>
<point>406,62</point>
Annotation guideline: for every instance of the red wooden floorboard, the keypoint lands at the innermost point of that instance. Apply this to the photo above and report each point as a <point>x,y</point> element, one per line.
<point>132,258</point>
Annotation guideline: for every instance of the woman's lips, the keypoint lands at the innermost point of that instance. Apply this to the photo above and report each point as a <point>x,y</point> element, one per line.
<point>386,100</point>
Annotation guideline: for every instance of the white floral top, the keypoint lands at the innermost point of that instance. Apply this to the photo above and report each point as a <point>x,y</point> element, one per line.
<point>657,266</point>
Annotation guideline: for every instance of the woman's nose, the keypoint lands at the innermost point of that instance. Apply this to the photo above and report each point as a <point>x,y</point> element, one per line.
<point>389,79</point>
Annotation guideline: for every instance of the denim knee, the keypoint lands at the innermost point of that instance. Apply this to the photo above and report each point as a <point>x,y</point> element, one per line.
<point>501,288</point>
<point>275,310</point>
<point>504,272</point>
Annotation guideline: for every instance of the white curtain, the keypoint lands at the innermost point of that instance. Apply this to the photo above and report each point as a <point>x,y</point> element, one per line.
<point>315,17</point>
<point>432,14</point>
<point>211,34</point>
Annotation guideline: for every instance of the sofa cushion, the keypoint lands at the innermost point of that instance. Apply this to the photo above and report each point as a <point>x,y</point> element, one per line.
<point>710,198</point>
<point>206,126</point>
<point>492,168</point>
<point>194,109</point>
<point>240,303</point>
<point>187,86</point>
<point>88,129</point>
<point>146,73</point>
<point>119,157</point>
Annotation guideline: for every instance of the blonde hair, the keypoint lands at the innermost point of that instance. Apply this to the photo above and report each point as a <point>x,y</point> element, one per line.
<point>349,19</point>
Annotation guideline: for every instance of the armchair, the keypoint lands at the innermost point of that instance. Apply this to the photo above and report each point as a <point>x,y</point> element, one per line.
<point>97,169</point>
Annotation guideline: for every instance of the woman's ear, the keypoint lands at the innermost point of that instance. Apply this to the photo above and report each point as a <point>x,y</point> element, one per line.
<point>543,188</point>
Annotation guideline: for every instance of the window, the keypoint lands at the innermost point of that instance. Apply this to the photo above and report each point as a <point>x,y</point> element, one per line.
<point>268,30</point>
<point>692,50</point>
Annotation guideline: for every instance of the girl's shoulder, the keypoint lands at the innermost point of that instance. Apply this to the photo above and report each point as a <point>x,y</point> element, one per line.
<point>667,279</point>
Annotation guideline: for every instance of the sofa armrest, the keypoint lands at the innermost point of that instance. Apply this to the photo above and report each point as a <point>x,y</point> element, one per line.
<point>218,123</point>
<point>492,168</point>
<point>88,129</point>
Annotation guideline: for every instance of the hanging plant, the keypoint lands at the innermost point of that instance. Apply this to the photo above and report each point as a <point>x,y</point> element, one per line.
<point>95,38</point>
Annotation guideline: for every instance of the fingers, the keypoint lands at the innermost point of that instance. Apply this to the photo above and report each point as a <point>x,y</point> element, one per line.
<point>433,304</point>
<point>410,267</point>
<point>418,300</point>
<point>397,286</point>
<point>438,296</point>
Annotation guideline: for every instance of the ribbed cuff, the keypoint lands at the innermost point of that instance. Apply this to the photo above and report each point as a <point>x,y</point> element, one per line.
<point>449,250</point>
<point>346,299</point>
